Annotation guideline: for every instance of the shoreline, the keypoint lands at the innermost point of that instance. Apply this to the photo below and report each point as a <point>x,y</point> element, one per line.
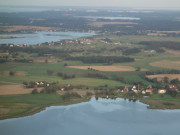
<point>37,109</point>
<point>160,104</point>
<point>151,104</point>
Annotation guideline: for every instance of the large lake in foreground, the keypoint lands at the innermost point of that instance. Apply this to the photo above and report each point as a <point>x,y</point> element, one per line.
<point>96,117</point>
<point>40,37</point>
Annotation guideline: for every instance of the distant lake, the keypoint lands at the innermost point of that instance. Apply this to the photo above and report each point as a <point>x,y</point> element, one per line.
<point>96,117</point>
<point>111,18</point>
<point>40,37</point>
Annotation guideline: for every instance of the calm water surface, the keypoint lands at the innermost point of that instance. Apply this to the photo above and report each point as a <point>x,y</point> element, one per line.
<point>41,37</point>
<point>111,18</point>
<point>97,117</point>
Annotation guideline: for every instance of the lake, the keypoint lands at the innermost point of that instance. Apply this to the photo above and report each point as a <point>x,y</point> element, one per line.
<point>40,37</point>
<point>111,18</point>
<point>96,117</point>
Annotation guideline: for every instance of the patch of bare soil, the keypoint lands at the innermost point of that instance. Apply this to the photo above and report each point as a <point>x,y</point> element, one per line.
<point>4,111</point>
<point>14,89</point>
<point>16,73</point>
<point>166,64</point>
<point>105,68</point>
<point>43,60</point>
<point>176,53</point>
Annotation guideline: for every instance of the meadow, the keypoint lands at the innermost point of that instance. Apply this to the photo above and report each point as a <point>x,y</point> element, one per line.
<point>107,76</point>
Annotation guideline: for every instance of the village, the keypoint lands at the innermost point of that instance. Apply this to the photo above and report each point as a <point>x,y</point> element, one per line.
<point>149,90</point>
<point>146,91</point>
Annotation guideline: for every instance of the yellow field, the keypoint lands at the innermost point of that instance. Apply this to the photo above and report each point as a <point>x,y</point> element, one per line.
<point>106,68</point>
<point>166,64</point>
<point>14,89</point>
<point>21,27</point>
<point>17,73</point>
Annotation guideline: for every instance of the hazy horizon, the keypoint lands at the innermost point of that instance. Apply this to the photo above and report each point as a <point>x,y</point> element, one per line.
<point>153,4</point>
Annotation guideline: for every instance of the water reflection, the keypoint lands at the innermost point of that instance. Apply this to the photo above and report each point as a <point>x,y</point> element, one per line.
<point>96,117</point>
<point>40,37</point>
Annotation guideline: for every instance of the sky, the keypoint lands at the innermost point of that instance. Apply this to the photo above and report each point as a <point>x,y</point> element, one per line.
<point>101,3</point>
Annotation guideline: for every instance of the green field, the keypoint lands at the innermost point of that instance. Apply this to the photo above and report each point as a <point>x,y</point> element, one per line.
<point>20,105</point>
<point>28,104</point>
<point>162,102</point>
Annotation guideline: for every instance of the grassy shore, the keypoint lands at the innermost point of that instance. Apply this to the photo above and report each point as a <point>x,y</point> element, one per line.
<point>13,106</point>
<point>162,102</point>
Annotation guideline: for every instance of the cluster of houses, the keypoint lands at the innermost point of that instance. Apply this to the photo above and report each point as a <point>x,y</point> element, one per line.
<point>36,84</point>
<point>19,45</point>
<point>148,90</point>
<point>65,87</point>
<point>86,41</point>
<point>44,84</point>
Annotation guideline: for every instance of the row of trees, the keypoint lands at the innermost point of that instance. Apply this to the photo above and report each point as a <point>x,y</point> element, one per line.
<point>131,51</point>
<point>166,80</point>
<point>41,51</point>
<point>66,75</point>
<point>68,95</point>
<point>101,59</point>
<point>173,71</point>
<point>158,44</point>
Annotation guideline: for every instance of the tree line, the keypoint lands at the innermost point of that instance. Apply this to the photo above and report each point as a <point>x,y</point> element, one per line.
<point>158,44</point>
<point>101,59</point>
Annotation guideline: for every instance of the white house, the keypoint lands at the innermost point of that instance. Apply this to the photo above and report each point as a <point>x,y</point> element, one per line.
<point>162,91</point>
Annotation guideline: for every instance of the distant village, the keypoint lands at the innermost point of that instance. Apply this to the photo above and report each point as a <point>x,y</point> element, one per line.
<point>149,90</point>
<point>82,41</point>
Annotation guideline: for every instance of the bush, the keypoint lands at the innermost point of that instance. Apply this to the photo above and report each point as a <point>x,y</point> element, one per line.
<point>11,73</point>
<point>49,72</point>
<point>68,95</point>
<point>50,89</point>
<point>168,104</point>
<point>34,91</point>
<point>65,64</point>
<point>65,75</point>
<point>88,94</point>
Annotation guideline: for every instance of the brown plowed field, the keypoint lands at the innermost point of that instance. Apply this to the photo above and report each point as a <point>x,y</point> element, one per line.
<point>167,64</point>
<point>106,68</point>
<point>14,89</point>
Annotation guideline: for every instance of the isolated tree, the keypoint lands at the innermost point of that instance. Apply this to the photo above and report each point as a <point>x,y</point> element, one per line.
<point>34,91</point>
<point>46,60</point>
<point>138,69</point>
<point>166,80</point>
<point>11,73</point>
<point>65,64</point>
